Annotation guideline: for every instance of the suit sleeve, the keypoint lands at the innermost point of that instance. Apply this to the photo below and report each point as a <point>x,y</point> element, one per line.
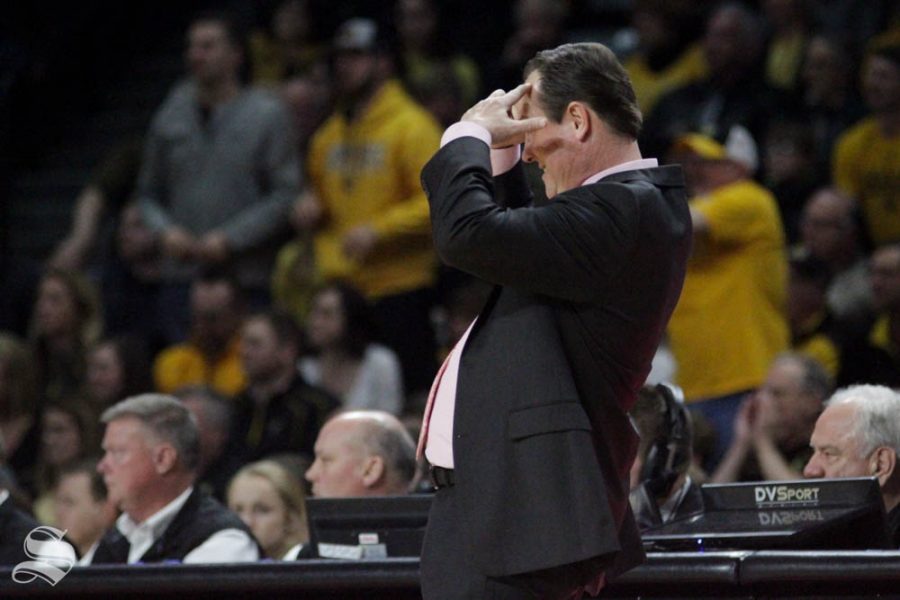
<point>568,249</point>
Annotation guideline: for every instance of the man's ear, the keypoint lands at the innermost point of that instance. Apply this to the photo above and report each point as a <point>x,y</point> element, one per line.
<point>164,458</point>
<point>883,463</point>
<point>580,118</point>
<point>373,471</point>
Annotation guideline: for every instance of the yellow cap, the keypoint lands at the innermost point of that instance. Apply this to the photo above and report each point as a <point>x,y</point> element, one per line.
<point>701,145</point>
<point>739,147</point>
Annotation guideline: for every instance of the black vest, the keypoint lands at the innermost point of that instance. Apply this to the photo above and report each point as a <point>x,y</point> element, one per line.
<point>199,518</point>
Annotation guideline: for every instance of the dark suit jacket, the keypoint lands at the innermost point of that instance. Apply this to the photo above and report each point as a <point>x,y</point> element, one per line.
<point>15,525</point>
<point>542,442</point>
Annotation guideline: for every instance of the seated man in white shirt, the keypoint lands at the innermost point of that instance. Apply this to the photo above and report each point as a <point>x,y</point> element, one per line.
<point>151,450</point>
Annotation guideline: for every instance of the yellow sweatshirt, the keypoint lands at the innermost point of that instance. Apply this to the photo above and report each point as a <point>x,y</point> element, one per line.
<point>366,172</point>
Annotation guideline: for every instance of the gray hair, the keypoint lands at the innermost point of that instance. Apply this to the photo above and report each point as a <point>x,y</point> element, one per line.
<point>877,419</point>
<point>167,418</point>
<point>384,435</point>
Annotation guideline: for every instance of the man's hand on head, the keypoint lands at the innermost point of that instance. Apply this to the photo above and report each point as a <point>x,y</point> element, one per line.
<point>495,114</point>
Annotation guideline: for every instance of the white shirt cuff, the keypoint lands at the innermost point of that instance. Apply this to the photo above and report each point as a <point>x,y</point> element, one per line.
<point>502,160</point>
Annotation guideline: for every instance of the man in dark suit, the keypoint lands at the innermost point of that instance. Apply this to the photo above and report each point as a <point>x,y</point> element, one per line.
<point>526,427</point>
<point>15,526</point>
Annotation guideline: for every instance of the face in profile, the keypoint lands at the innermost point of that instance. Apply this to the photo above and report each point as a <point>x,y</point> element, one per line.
<point>545,146</point>
<point>339,468</point>
<point>127,465</point>
<point>836,451</point>
<point>259,505</point>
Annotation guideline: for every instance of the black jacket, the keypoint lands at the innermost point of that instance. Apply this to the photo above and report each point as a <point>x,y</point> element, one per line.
<point>584,288</point>
<point>14,528</point>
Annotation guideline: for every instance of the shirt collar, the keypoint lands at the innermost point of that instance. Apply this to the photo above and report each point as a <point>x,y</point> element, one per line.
<point>631,165</point>
<point>4,494</point>
<point>156,523</point>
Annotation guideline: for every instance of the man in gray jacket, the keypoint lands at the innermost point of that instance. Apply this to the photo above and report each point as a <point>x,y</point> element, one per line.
<point>219,169</point>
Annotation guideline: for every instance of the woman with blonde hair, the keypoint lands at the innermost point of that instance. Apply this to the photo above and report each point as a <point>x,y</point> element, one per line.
<point>270,500</point>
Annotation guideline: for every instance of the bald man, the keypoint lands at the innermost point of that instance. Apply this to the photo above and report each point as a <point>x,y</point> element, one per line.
<point>362,453</point>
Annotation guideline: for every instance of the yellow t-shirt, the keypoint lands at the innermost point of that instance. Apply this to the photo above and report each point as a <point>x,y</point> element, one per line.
<point>730,320</point>
<point>649,86</point>
<point>821,348</point>
<point>367,172</point>
<point>867,167</point>
<point>183,364</point>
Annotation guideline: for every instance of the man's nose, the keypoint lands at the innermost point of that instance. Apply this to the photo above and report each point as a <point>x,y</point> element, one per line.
<point>527,153</point>
<point>813,470</point>
<point>310,474</point>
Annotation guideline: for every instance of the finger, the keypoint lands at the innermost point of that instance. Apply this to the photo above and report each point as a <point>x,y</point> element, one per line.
<point>513,95</point>
<point>529,125</point>
<point>514,132</point>
<point>496,93</point>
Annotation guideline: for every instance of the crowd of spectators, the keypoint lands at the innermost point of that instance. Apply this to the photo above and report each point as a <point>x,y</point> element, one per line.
<point>260,259</point>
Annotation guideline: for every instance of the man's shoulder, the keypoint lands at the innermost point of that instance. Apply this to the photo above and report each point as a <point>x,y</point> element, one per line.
<point>629,185</point>
<point>660,176</point>
<point>301,392</point>
<point>745,189</point>
<point>181,97</point>
<point>15,523</point>
<point>858,136</point>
